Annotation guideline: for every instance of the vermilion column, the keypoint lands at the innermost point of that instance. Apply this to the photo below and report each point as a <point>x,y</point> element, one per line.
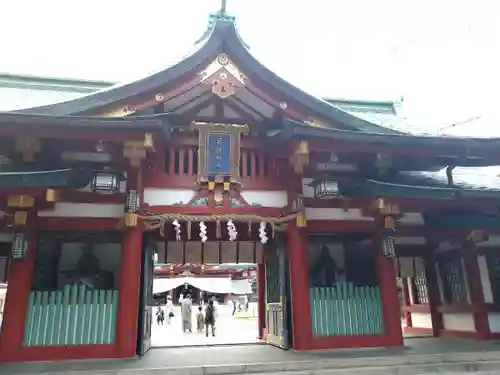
<point>16,303</point>
<point>476,294</point>
<point>261,297</point>
<point>406,301</point>
<point>389,295</point>
<point>130,280</point>
<point>433,294</point>
<point>299,282</point>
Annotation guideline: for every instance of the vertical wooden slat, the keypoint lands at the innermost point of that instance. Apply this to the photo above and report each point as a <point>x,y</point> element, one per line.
<point>80,318</point>
<point>51,319</point>
<point>73,314</point>
<point>28,329</point>
<point>253,169</point>
<point>244,156</point>
<point>44,318</point>
<point>87,310</point>
<point>191,156</point>
<point>181,161</point>
<point>93,317</point>
<point>65,315</point>
<point>171,167</point>
<point>101,318</point>
<point>58,314</point>
<point>262,160</point>
<point>109,317</point>
<point>114,317</point>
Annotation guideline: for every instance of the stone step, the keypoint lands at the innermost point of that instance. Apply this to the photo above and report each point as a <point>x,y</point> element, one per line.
<point>453,363</point>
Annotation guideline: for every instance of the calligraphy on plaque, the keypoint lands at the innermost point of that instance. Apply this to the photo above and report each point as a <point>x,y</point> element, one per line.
<point>218,151</point>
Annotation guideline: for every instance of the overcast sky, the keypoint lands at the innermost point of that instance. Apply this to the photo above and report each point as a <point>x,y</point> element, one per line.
<point>442,55</point>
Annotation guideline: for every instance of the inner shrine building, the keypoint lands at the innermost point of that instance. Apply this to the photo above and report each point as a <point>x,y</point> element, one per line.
<point>353,219</point>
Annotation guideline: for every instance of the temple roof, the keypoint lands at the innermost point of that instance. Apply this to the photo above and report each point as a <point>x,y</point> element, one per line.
<point>222,37</point>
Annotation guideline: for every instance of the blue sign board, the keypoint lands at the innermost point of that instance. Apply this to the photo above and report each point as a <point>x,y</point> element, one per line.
<point>218,156</point>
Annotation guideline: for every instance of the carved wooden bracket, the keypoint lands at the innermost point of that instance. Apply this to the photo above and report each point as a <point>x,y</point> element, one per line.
<point>20,201</point>
<point>20,218</point>
<point>28,147</point>
<point>136,151</point>
<point>300,157</point>
<point>130,219</point>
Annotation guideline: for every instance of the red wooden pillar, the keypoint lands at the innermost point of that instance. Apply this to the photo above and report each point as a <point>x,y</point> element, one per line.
<point>389,295</point>
<point>261,298</point>
<point>433,294</point>
<point>406,301</point>
<point>476,294</point>
<point>16,303</point>
<point>299,283</point>
<point>130,277</point>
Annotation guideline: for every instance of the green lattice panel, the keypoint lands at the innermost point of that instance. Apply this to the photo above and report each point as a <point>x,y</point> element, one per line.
<point>272,282</point>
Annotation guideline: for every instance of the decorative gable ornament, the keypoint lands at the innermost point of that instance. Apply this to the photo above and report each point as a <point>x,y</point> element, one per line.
<point>223,75</point>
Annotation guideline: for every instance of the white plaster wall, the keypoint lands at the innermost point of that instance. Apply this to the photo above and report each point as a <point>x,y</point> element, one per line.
<point>411,218</point>
<point>459,322</point>
<point>90,210</point>
<point>167,197</point>
<point>266,198</point>
<point>335,214</point>
<point>485,279</point>
<point>421,320</point>
<point>494,322</point>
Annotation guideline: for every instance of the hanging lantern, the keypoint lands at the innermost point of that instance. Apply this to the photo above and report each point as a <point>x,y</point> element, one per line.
<point>19,246</point>
<point>132,201</point>
<point>325,188</point>
<point>388,247</point>
<point>106,182</point>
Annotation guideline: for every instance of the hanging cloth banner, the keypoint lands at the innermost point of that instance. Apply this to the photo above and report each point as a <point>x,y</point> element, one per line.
<point>221,285</point>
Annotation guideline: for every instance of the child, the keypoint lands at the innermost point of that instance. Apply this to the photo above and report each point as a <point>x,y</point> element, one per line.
<point>200,320</point>
<point>210,318</point>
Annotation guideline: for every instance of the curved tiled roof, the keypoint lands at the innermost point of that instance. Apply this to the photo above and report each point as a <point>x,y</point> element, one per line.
<point>222,36</point>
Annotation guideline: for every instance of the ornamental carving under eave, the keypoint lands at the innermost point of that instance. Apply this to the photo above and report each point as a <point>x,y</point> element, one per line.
<point>223,75</point>
<point>118,112</point>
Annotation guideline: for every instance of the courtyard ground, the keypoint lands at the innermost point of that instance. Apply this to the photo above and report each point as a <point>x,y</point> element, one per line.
<point>230,330</point>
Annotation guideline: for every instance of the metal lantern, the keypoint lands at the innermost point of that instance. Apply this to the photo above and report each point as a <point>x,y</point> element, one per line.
<point>19,246</point>
<point>132,201</point>
<point>388,247</point>
<point>326,189</point>
<point>106,182</point>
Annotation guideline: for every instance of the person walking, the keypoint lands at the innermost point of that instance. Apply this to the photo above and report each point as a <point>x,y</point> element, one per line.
<point>210,318</point>
<point>169,309</point>
<point>186,313</point>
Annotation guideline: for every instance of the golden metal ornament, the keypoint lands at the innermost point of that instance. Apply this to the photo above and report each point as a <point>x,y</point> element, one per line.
<point>20,218</point>
<point>130,219</point>
<point>223,75</point>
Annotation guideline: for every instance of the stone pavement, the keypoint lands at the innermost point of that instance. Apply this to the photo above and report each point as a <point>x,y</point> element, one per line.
<point>420,356</point>
<point>229,330</point>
